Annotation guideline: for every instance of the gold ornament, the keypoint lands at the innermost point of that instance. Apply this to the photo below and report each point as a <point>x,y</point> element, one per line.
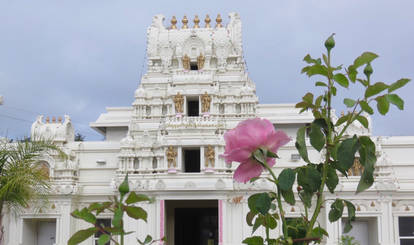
<point>185,22</point>
<point>219,20</point>
<point>179,102</point>
<point>171,157</point>
<point>207,20</point>
<point>173,23</point>
<point>209,156</point>
<point>186,62</point>
<point>205,102</point>
<point>196,22</point>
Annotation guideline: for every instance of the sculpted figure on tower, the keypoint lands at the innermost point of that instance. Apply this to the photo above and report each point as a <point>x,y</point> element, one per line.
<point>178,102</point>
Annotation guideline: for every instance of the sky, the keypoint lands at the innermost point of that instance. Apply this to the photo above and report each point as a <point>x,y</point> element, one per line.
<point>78,57</point>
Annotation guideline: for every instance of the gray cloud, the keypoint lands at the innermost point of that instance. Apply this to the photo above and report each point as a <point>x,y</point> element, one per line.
<point>78,57</point>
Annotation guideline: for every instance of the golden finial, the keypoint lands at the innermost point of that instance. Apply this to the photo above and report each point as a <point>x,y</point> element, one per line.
<point>196,21</point>
<point>47,119</point>
<point>207,20</point>
<point>174,23</point>
<point>219,20</point>
<point>60,119</point>
<point>53,119</point>
<point>185,22</point>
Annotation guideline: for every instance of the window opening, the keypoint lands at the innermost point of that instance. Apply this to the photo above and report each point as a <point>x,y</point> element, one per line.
<point>194,66</point>
<point>193,107</point>
<point>406,230</point>
<point>191,158</point>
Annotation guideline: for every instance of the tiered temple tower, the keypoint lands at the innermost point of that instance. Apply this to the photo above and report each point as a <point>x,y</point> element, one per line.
<point>170,140</point>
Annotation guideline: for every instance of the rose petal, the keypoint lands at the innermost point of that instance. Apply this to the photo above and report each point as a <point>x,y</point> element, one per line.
<point>237,155</point>
<point>247,170</point>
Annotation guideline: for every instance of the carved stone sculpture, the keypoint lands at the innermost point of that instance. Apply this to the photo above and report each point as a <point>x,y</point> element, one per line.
<point>205,102</point>
<point>200,61</point>
<point>171,157</point>
<point>186,62</point>
<point>209,156</point>
<point>178,102</point>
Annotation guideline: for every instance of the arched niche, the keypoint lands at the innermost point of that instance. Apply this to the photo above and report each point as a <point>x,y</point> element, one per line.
<point>193,47</point>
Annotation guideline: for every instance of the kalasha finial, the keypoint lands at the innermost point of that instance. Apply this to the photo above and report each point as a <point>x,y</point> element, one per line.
<point>219,20</point>
<point>174,23</point>
<point>185,22</point>
<point>207,20</point>
<point>47,119</point>
<point>53,119</point>
<point>60,119</point>
<point>196,21</point>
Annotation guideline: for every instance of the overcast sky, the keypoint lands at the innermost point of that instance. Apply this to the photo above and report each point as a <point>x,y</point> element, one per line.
<point>78,57</point>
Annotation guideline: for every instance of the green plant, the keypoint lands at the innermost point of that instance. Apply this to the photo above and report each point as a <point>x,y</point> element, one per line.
<point>328,137</point>
<point>22,180</point>
<point>348,240</point>
<point>117,206</point>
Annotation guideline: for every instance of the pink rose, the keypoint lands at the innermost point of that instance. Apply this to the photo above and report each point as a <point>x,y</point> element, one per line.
<point>246,138</point>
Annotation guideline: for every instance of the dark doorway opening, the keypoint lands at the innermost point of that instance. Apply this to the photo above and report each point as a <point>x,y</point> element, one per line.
<point>193,107</point>
<point>193,66</point>
<point>191,160</point>
<point>198,226</point>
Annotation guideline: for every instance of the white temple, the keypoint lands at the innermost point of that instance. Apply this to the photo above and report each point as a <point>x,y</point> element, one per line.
<point>169,141</point>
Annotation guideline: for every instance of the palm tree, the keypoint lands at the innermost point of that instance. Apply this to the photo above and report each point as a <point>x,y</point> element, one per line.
<point>21,178</point>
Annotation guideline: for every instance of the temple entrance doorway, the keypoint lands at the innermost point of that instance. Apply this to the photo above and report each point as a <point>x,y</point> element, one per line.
<point>192,222</point>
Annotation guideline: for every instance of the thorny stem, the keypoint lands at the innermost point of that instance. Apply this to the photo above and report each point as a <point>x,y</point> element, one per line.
<point>319,199</point>
<point>279,201</point>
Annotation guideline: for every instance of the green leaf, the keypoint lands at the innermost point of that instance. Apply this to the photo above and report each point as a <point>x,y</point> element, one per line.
<point>259,156</point>
<point>148,239</point>
<point>85,215</point>
<point>364,82</point>
<point>288,196</point>
<point>257,223</point>
<point>383,105</point>
<point>352,73</point>
<point>259,203</point>
<point>308,98</point>
<point>136,212</point>
<point>375,89</point>
<point>309,178</point>
<point>341,80</point>
<point>363,59</point>
<point>306,198</point>
<point>346,153</point>
<point>103,239</point>
<point>316,69</point>
<point>349,102</point>
<point>270,222</point>
<point>351,216</point>
<point>308,59</point>
<point>249,218</point>
<point>337,208</point>
<point>332,179</point>
<point>319,232</point>
<point>333,90</point>
<point>317,138</point>
<point>301,144</point>
<point>81,236</point>
<point>367,159</point>
<point>363,120</point>
<point>286,179</point>
<point>117,220</point>
<point>318,101</point>
<point>343,119</point>
<point>134,198</point>
<point>321,84</point>
<point>364,106</point>
<point>398,84</point>
<point>396,100</point>
<point>256,240</point>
